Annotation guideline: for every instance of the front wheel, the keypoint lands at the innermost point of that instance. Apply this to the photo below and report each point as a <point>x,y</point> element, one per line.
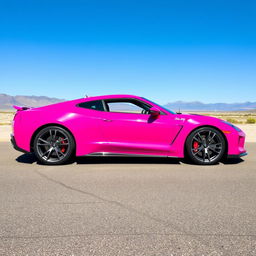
<point>205,146</point>
<point>53,145</point>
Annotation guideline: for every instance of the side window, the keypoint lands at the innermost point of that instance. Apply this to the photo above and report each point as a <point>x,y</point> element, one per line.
<point>95,105</point>
<point>127,106</point>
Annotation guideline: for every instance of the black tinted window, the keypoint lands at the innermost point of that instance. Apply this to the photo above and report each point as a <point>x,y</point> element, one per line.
<point>95,105</point>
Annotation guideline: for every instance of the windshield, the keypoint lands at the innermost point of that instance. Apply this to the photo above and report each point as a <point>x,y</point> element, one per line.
<point>166,109</point>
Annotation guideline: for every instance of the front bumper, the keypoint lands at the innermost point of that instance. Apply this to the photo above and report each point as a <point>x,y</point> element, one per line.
<point>236,144</point>
<point>15,146</point>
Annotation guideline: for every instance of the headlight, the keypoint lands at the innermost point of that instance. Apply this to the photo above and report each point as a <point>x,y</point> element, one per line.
<point>235,127</point>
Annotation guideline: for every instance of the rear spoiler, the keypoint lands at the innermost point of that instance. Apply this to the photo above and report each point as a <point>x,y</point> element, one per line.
<point>18,108</point>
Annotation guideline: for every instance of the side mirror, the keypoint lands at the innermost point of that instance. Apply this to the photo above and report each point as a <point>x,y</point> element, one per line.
<point>154,111</point>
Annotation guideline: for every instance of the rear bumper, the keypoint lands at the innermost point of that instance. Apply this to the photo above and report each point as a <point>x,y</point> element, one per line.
<point>237,156</point>
<point>14,144</point>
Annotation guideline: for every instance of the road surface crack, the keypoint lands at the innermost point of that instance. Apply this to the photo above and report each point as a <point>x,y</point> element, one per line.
<point>180,232</point>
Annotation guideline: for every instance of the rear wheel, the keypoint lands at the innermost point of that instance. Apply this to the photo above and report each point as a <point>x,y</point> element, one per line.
<point>53,145</point>
<point>205,146</point>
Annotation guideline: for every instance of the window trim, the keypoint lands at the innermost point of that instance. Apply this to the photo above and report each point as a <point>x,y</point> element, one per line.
<point>103,101</point>
<point>135,99</point>
<point>104,109</point>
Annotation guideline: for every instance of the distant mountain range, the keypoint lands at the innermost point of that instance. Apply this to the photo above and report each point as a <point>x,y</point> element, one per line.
<point>7,101</point>
<point>199,106</point>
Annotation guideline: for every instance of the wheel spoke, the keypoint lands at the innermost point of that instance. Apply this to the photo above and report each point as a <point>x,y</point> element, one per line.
<point>209,157</point>
<point>197,140</point>
<point>57,153</point>
<point>43,144</point>
<point>44,141</point>
<point>49,154</point>
<point>214,149</point>
<point>63,139</point>
<point>199,135</point>
<point>61,152</point>
<point>210,138</point>
<point>46,152</point>
<point>216,144</point>
<point>52,134</point>
<point>204,155</point>
<point>198,150</point>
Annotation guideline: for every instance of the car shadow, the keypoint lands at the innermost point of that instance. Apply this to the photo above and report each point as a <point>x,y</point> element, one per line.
<point>30,158</point>
<point>126,160</point>
<point>232,161</point>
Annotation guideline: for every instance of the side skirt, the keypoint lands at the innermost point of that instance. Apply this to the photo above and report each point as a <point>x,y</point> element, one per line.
<point>126,155</point>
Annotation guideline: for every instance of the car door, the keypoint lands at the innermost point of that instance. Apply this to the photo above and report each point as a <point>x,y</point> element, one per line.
<point>137,132</point>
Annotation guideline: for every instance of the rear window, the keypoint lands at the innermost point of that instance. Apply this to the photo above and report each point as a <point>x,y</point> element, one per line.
<point>94,105</point>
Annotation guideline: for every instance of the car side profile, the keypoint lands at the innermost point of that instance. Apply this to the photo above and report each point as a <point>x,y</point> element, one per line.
<point>118,125</point>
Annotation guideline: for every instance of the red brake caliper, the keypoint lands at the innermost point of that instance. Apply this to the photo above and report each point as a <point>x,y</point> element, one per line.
<point>195,146</point>
<point>62,148</point>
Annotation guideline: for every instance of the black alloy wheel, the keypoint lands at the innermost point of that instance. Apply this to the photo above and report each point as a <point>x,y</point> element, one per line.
<point>53,145</point>
<point>205,146</point>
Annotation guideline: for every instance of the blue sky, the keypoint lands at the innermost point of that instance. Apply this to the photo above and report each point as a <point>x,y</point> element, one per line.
<point>163,50</point>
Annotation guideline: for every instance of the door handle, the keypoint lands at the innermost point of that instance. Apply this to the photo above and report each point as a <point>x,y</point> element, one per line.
<point>107,120</point>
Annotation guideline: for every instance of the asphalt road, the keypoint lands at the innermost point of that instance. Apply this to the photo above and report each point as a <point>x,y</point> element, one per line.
<point>123,206</point>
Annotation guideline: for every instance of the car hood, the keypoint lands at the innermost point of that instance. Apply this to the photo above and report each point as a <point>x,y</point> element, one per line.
<point>200,119</point>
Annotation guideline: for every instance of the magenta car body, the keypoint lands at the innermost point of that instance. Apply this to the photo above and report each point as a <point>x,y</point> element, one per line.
<point>155,132</point>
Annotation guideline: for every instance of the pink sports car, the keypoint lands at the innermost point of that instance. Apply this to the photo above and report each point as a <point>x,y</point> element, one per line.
<point>122,125</point>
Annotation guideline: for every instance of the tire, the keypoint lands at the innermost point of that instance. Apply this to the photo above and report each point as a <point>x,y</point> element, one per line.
<point>54,145</point>
<point>205,146</point>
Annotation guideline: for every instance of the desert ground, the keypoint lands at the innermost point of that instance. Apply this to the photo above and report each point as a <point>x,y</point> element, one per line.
<point>120,206</point>
<point>244,120</point>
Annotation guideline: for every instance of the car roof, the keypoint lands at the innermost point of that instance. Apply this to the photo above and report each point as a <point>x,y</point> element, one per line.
<point>113,96</point>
